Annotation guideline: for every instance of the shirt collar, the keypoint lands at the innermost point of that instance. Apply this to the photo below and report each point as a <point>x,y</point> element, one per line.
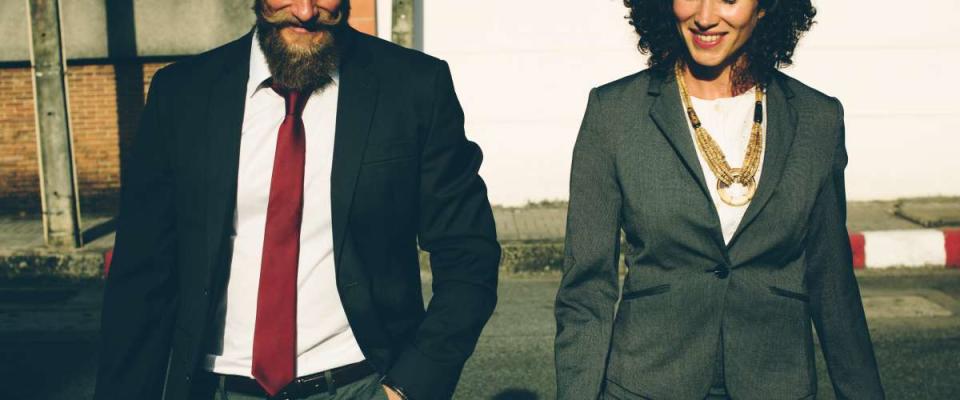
<point>260,70</point>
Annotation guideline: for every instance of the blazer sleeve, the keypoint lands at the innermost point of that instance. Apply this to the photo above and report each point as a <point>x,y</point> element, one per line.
<point>456,227</point>
<point>835,302</point>
<point>589,289</point>
<point>140,294</point>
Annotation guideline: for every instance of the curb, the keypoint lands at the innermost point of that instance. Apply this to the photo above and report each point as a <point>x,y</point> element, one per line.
<point>51,264</point>
<point>914,248</point>
<point>518,257</point>
<point>906,248</point>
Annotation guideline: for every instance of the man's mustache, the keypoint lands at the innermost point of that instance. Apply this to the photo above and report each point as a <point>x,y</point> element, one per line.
<point>324,20</point>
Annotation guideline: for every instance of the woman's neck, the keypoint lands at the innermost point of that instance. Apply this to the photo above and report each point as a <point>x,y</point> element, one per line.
<point>711,83</point>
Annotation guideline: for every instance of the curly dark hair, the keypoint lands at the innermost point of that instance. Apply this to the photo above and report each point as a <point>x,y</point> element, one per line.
<point>770,46</point>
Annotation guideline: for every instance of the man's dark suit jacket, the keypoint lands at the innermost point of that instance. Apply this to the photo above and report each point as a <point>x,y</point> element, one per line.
<point>403,173</point>
<point>687,292</point>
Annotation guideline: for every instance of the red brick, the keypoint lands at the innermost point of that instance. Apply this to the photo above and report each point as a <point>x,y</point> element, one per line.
<point>363,16</point>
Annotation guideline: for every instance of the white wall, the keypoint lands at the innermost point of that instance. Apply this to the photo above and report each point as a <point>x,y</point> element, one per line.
<point>523,70</point>
<point>384,18</point>
<point>894,66</point>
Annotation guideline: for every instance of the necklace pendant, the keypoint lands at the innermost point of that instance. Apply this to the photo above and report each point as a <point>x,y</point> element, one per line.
<point>735,193</point>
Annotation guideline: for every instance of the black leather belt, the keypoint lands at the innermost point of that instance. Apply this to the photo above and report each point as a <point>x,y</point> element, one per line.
<point>304,386</point>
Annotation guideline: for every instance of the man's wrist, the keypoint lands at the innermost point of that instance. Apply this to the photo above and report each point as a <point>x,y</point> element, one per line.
<point>386,381</point>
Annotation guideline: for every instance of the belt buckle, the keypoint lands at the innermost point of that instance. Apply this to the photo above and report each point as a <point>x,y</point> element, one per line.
<point>284,394</point>
<point>294,390</point>
<point>290,392</point>
<point>305,387</point>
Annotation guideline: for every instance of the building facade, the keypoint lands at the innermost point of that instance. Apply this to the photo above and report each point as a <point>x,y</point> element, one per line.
<point>522,70</point>
<point>112,54</point>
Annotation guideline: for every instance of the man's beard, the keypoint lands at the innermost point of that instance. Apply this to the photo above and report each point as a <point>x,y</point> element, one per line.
<point>304,69</point>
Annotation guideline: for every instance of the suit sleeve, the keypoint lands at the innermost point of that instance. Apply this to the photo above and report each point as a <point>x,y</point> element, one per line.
<point>835,301</point>
<point>589,289</point>
<point>456,227</point>
<point>139,297</point>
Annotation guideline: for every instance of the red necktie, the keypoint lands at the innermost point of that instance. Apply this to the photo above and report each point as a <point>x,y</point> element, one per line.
<point>275,334</point>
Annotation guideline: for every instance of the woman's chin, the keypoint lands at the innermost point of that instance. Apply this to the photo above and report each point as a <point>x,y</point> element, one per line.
<point>707,60</point>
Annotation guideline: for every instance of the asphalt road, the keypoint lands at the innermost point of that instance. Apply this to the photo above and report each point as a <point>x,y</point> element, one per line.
<point>919,355</point>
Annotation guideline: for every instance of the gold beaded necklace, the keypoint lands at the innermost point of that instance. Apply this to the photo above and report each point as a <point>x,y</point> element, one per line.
<point>727,177</point>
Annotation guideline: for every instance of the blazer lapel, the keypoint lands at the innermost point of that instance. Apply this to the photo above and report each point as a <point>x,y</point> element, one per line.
<point>222,152</point>
<point>357,100</point>
<point>781,129</point>
<point>668,113</point>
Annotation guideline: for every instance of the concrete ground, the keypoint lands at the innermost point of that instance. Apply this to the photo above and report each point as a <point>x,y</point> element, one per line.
<point>48,326</point>
<point>23,254</point>
<point>24,233</point>
<point>547,222</point>
<point>49,351</point>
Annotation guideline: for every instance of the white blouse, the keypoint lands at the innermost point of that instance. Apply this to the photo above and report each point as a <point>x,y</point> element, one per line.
<point>728,120</point>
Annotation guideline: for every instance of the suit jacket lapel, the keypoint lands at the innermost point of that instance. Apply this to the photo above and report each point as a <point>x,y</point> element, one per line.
<point>781,129</point>
<point>357,100</point>
<point>226,102</point>
<point>668,113</point>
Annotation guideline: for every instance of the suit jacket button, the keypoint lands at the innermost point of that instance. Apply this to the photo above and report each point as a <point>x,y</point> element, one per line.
<point>721,271</point>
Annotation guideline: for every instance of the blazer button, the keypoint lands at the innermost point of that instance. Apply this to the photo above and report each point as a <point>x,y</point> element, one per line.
<point>721,271</point>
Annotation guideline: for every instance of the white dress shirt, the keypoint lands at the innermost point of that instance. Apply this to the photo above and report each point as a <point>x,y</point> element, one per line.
<point>324,337</point>
<point>729,121</point>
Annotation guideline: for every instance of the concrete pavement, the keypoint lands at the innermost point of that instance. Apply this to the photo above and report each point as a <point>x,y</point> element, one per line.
<point>883,234</point>
<point>23,254</point>
<point>49,325</point>
<point>547,222</point>
<point>48,343</point>
<point>891,234</point>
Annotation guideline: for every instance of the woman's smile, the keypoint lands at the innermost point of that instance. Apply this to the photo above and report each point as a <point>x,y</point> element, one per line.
<point>707,40</point>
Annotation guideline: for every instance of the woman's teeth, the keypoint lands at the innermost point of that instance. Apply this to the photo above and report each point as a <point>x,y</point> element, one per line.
<point>708,38</point>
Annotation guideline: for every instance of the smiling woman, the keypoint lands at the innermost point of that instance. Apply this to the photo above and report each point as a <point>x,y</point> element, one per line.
<point>730,265</point>
<point>775,29</point>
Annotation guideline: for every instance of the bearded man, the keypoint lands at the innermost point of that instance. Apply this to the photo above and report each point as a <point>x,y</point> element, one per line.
<point>267,242</point>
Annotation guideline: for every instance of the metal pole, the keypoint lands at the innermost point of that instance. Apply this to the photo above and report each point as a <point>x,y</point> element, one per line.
<point>403,22</point>
<point>58,189</point>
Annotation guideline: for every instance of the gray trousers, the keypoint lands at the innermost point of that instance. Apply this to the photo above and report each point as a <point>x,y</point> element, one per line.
<point>368,388</point>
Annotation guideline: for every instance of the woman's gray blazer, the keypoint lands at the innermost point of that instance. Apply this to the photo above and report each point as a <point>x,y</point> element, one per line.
<point>688,297</point>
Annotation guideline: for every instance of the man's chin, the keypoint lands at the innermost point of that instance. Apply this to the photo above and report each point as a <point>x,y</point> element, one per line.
<point>299,40</point>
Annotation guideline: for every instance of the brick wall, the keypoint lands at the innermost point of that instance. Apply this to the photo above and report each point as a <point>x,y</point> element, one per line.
<point>105,103</point>
<point>19,184</point>
<point>363,15</point>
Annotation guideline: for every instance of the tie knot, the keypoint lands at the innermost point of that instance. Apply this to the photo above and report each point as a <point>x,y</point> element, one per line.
<point>295,100</point>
